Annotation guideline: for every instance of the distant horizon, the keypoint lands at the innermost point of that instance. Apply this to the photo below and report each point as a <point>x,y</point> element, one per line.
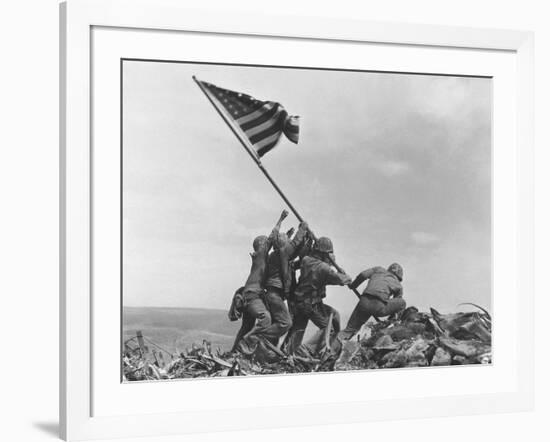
<point>178,307</point>
<point>173,307</point>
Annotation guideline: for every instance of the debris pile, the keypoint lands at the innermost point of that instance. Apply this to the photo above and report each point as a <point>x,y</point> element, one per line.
<point>419,339</point>
<point>414,339</point>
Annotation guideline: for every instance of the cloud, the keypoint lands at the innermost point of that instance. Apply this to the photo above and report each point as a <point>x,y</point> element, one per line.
<point>392,168</point>
<point>424,238</point>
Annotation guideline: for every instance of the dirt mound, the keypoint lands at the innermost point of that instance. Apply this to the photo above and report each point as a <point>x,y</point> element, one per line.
<point>414,339</point>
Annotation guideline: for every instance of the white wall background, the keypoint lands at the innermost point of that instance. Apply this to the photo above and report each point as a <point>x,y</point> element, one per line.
<point>29,219</point>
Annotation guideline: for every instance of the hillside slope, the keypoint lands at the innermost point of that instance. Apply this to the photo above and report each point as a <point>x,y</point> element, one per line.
<point>175,328</point>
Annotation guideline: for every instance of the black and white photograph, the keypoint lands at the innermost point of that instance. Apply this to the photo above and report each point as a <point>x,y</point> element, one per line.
<point>289,220</point>
<point>275,221</point>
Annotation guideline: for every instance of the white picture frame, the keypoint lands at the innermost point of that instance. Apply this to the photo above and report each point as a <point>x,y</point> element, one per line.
<point>80,379</point>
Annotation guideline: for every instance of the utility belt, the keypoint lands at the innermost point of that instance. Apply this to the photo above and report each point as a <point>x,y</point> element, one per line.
<point>311,297</point>
<point>375,298</point>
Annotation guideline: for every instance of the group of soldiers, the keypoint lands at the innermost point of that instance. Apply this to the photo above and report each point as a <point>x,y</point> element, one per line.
<point>275,301</point>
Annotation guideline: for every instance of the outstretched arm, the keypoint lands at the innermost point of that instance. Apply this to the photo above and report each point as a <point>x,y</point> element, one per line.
<point>275,232</point>
<point>284,214</point>
<point>334,277</point>
<point>363,276</point>
<point>298,240</point>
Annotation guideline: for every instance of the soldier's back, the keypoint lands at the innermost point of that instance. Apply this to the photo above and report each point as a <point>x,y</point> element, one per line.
<point>382,283</point>
<point>312,271</point>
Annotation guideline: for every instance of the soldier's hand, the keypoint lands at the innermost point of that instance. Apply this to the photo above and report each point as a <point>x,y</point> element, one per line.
<point>347,279</point>
<point>304,225</point>
<point>284,214</point>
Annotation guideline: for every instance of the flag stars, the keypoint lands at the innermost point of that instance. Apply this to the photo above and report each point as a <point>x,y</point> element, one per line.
<point>237,105</point>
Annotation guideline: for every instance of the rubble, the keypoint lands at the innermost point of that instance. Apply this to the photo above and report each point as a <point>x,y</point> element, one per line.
<point>414,339</point>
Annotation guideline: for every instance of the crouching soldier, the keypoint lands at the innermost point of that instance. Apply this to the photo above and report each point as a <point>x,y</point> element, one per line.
<point>383,296</point>
<point>315,274</point>
<point>256,317</point>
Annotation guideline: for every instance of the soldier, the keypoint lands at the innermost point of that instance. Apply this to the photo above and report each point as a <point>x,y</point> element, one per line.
<point>237,310</point>
<point>255,313</point>
<point>315,274</point>
<point>279,281</point>
<point>383,296</point>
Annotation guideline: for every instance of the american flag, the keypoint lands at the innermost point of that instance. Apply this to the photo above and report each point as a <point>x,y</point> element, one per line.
<point>261,122</point>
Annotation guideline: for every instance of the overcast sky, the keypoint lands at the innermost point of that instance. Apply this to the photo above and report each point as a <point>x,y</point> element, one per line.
<point>392,167</point>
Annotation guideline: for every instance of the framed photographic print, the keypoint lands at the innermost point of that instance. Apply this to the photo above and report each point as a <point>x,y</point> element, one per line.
<point>334,213</point>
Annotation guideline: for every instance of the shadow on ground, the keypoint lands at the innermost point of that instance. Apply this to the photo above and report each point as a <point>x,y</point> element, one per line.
<point>51,428</point>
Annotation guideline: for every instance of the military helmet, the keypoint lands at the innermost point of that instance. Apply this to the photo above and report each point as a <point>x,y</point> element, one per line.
<point>324,245</point>
<point>397,270</point>
<point>259,240</point>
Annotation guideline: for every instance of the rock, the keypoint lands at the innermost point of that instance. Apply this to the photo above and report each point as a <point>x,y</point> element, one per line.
<point>364,333</point>
<point>402,332</point>
<point>349,350</point>
<point>486,358</point>
<point>407,331</point>
<point>464,326</point>
<point>416,353</point>
<point>459,360</point>
<point>409,314</point>
<point>441,357</point>
<point>385,343</point>
<point>468,349</point>
<point>411,354</point>
<point>474,329</point>
<point>394,359</point>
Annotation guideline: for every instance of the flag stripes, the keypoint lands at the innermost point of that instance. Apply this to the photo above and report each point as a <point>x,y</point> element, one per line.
<point>260,122</point>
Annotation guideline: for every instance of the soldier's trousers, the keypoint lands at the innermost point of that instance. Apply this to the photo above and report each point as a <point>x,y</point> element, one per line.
<point>280,317</point>
<point>367,307</point>
<point>256,318</point>
<point>247,325</point>
<point>318,313</point>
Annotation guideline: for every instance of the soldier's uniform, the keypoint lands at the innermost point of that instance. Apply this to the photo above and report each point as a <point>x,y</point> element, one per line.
<point>308,304</point>
<point>279,281</point>
<point>239,310</point>
<point>383,296</point>
<point>255,311</point>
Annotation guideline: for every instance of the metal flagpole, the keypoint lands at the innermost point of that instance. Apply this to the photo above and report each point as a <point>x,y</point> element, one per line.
<point>248,147</point>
